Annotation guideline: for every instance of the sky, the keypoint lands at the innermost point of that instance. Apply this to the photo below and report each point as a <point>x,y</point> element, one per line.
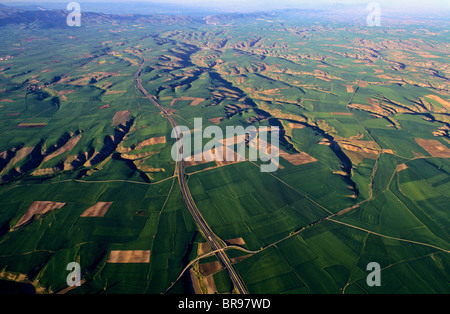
<point>260,5</point>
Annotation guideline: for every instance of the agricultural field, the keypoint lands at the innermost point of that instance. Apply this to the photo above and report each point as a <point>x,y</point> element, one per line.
<point>87,173</point>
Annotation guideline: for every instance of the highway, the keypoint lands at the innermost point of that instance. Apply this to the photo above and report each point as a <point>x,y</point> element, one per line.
<point>199,220</point>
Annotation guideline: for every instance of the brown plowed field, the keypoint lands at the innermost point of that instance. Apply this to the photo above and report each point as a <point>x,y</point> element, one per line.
<point>98,210</point>
<point>38,208</point>
<point>121,117</point>
<point>137,256</point>
<point>152,141</point>
<point>434,148</point>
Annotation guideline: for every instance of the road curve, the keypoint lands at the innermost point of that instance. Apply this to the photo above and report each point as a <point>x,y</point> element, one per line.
<point>199,220</point>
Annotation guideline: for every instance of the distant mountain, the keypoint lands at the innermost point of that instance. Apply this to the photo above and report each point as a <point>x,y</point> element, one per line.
<point>57,18</point>
<point>27,7</point>
<point>226,18</point>
<point>6,11</point>
<point>124,7</point>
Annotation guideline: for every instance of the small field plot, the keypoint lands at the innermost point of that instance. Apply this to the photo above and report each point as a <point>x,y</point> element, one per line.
<point>38,208</point>
<point>434,148</point>
<point>129,256</point>
<point>98,210</point>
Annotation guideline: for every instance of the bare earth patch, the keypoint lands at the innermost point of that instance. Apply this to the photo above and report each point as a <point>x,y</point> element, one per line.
<point>98,210</point>
<point>342,212</point>
<point>45,171</point>
<point>443,102</point>
<point>195,282</point>
<point>209,268</point>
<point>210,285</point>
<point>173,102</point>
<point>237,241</point>
<point>137,156</point>
<point>296,125</point>
<point>298,159</point>
<point>295,159</point>
<point>401,167</point>
<point>121,117</point>
<point>30,125</point>
<point>152,141</point>
<point>196,101</point>
<point>356,149</point>
<point>203,248</point>
<point>38,208</point>
<point>135,256</point>
<point>21,154</point>
<point>349,88</point>
<point>434,148</point>
<point>386,77</point>
<point>67,147</point>
<point>216,120</point>
<point>326,79</point>
<point>235,260</point>
<point>426,54</point>
<point>363,84</point>
<point>218,154</point>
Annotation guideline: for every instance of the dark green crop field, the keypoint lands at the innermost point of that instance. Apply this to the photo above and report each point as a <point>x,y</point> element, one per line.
<point>87,173</point>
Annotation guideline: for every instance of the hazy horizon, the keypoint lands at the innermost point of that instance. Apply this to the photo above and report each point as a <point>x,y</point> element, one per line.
<point>261,5</point>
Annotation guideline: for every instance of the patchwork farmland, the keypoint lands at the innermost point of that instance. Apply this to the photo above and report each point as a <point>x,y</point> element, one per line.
<point>87,173</point>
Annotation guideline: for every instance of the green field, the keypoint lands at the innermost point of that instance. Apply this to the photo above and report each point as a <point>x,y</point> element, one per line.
<point>76,129</point>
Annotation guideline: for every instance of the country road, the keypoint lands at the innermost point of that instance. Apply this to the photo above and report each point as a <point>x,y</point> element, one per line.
<point>199,220</point>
